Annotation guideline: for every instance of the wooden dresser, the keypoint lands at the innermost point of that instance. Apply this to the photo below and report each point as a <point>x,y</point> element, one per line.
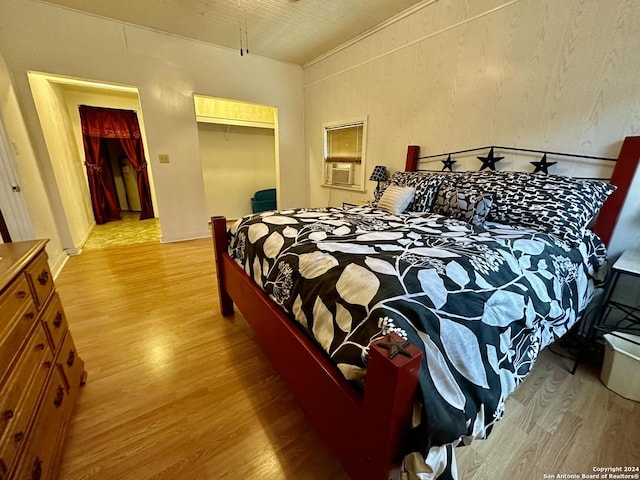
<point>40,372</point>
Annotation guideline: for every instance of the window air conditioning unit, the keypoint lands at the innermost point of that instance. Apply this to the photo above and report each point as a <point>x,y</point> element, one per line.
<point>341,173</point>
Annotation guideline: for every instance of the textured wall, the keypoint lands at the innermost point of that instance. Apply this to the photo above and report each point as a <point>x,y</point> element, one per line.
<point>558,75</point>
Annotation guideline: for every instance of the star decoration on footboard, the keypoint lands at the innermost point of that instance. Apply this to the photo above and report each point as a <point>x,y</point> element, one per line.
<point>395,347</point>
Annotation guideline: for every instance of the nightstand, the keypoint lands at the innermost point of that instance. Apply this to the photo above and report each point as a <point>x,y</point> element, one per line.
<point>629,316</point>
<point>627,264</point>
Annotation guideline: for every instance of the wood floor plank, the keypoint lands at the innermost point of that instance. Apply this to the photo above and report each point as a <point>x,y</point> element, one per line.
<point>175,391</point>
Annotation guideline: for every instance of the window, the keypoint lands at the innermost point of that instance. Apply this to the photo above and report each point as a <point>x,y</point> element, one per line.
<point>344,143</point>
<point>344,154</point>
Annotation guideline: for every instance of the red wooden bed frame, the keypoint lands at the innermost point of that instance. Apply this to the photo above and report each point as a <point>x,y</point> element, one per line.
<point>363,431</point>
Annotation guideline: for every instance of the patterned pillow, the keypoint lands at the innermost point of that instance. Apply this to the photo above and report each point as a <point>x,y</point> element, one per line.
<point>508,190</point>
<point>447,191</point>
<point>563,206</point>
<point>554,204</point>
<point>396,199</point>
<point>425,184</point>
<point>471,206</point>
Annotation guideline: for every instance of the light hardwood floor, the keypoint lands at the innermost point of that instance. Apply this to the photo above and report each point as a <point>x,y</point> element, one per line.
<point>127,231</point>
<point>177,392</point>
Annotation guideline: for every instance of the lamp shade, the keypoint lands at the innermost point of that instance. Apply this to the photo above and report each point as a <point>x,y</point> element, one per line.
<point>379,174</point>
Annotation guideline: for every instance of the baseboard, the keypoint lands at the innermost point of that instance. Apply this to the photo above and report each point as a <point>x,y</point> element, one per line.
<point>185,236</point>
<point>78,248</point>
<point>58,264</point>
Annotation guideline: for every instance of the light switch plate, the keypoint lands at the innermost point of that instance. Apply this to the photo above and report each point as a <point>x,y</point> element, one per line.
<point>163,158</point>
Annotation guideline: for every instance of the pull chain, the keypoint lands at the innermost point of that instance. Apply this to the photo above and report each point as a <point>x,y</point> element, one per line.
<point>242,16</point>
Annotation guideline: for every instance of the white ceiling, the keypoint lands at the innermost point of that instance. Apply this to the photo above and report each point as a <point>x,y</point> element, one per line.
<point>295,31</point>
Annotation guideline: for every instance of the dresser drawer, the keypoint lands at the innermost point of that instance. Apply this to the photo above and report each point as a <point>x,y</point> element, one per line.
<point>71,364</point>
<point>55,321</point>
<point>40,278</point>
<point>42,443</point>
<point>13,299</point>
<point>13,333</point>
<point>19,396</point>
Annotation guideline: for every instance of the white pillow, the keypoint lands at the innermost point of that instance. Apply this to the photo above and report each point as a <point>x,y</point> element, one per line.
<point>396,199</point>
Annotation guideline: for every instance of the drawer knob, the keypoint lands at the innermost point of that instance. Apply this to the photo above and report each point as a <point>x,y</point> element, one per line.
<point>47,364</point>
<point>21,294</point>
<point>43,278</point>
<point>58,320</point>
<point>71,358</point>
<point>59,396</point>
<point>18,437</point>
<point>8,414</point>
<point>40,346</point>
<point>36,473</point>
<point>29,315</point>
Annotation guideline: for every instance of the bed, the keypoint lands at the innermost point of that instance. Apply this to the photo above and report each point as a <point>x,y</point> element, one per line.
<point>402,334</point>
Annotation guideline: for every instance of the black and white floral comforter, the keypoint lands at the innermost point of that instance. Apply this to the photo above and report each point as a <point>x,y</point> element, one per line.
<point>480,301</point>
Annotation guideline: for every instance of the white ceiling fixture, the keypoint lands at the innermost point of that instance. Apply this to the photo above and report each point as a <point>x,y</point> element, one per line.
<point>288,30</point>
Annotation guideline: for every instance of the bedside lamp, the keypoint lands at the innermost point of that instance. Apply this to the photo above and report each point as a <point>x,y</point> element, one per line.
<point>379,174</point>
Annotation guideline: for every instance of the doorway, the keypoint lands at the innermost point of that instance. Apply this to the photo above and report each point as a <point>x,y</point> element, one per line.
<point>57,100</point>
<point>117,177</point>
<point>238,152</point>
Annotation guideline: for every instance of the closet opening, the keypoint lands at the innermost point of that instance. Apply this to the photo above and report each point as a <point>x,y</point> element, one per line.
<point>238,153</point>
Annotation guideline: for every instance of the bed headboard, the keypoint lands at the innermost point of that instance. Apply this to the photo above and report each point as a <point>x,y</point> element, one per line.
<point>624,170</point>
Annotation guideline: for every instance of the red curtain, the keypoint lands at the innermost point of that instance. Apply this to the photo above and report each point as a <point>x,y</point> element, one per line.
<point>98,123</point>
<point>135,152</point>
<point>104,197</point>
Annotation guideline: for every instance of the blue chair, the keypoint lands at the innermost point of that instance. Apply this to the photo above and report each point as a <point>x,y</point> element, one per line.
<point>264,200</point>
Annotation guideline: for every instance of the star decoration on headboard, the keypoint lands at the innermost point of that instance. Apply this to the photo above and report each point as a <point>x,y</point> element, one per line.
<point>448,164</point>
<point>489,161</point>
<point>542,165</point>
